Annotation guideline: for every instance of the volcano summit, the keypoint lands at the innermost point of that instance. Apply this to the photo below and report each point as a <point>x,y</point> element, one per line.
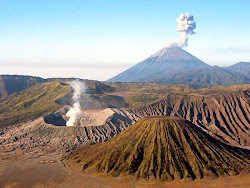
<point>175,65</point>
<point>165,63</point>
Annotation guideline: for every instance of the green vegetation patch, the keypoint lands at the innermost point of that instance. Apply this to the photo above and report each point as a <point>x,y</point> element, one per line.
<point>114,101</point>
<point>143,99</point>
<point>31,103</point>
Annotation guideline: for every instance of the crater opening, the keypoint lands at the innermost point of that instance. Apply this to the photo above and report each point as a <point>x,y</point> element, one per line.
<point>88,117</point>
<point>57,118</point>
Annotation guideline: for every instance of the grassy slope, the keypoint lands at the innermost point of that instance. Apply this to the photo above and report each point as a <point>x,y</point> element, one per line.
<point>141,94</point>
<point>161,148</point>
<point>31,103</point>
<point>217,90</point>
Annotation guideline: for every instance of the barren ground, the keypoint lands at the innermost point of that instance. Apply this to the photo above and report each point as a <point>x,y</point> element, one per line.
<point>29,173</point>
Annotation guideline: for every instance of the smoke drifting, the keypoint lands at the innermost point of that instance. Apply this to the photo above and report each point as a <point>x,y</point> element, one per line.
<point>186,26</point>
<point>75,111</point>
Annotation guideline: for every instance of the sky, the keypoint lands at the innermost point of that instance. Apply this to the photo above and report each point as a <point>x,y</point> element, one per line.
<point>97,39</point>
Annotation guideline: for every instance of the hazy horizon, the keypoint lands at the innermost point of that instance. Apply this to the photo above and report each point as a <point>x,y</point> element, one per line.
<point>115,34</point>
<point>94,72</point>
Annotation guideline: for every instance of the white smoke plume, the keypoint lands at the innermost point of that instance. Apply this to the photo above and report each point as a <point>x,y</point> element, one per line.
<point>75,111</point>
<point>186,26</point>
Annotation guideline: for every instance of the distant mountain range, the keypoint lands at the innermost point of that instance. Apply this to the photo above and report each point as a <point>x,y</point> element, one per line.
<point>175,65</point>
<point>241,67</point>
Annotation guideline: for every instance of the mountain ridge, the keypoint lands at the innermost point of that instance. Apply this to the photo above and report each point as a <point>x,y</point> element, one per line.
<point>241,67</point>
<point>175,65</point>
<point>226,115</point>
<point>211,76</point>
<point>10,84</point>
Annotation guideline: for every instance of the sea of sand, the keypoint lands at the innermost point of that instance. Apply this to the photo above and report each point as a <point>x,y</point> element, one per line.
<point>36,173</point>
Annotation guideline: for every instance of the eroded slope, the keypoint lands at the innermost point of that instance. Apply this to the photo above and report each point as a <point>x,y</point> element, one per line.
<point>161,148</point>
<point>50,135</point>
<point>227,116</point>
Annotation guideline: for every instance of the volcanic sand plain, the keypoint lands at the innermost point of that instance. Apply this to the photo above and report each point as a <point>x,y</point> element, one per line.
<point>32,173</point>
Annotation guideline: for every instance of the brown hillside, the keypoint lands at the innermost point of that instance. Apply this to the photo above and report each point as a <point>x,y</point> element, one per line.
<point>227,116</point>
<point>161,148</point>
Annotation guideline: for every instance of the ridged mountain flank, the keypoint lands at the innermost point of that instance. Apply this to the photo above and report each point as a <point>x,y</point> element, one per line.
<point>175,65</point>
<point>227,116</point>
<point>163,64</point>
<point>211,76</point>
<point>163,148</point>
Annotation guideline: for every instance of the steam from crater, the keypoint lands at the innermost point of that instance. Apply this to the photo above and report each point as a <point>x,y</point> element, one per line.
<point>186,26</point>
<point>75,111</point>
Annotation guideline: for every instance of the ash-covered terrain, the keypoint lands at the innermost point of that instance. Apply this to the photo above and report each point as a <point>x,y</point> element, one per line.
<point>49,134</point>
<point>33,124</point>
<point>223,112</point>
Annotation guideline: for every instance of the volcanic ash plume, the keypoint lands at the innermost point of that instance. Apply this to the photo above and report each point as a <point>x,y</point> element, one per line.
<point>75,111</point>
<point>186,26</point>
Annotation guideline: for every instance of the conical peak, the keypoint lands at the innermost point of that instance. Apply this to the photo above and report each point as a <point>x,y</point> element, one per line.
<point>172,53</point>
<point>162,148</point>
<point>161,67</point>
